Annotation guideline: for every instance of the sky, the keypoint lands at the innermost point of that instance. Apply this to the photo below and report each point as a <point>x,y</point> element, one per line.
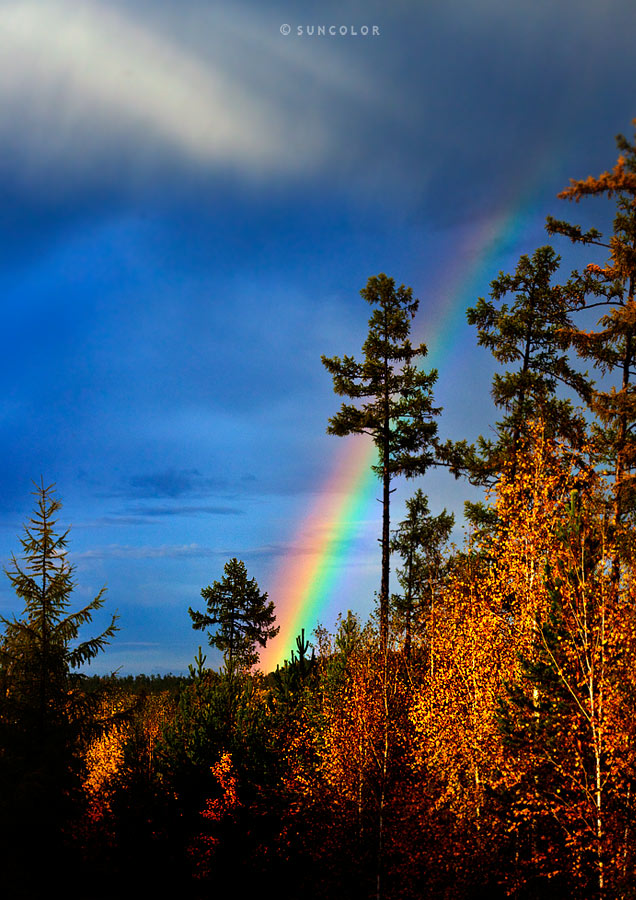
<point>191,201</point>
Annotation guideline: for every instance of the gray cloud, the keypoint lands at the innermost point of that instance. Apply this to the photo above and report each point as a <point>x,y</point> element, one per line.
<point>188,551</point>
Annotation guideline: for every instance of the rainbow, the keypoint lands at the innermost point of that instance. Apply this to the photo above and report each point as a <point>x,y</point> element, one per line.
<point>310,577</point>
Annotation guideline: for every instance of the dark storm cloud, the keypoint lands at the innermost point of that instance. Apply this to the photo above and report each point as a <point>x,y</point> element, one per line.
<point>173,483</point>
<point>449,95</point>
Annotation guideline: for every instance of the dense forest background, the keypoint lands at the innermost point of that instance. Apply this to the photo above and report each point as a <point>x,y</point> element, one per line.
<point>474,738</point>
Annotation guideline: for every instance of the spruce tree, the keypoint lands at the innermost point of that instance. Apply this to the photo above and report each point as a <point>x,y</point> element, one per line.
<point>46,713</point>
<point>397,409</point>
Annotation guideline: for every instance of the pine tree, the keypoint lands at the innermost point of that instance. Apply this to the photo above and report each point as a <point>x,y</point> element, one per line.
<point>291,682</point>
<point>398,412</point>
<point>244,616</point>
<point>530,332</point>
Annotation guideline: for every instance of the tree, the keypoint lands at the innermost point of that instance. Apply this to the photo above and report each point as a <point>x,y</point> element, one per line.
<point>456,747</point>
<point>419,540</point>
<point>225,713</point>
<point>46,715</point>
<point>398,413</point>
<point>531,334</point>
<point>485,622</point>
<point>363,751</point>
<point>567,713</point>
<point>612,349</point>
<point>244,616</point>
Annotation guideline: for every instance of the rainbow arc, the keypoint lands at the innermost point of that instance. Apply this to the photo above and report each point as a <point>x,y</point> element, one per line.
<point>313,573</point>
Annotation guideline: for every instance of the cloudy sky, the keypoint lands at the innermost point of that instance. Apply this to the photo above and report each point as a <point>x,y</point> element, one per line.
<point>191,202</point>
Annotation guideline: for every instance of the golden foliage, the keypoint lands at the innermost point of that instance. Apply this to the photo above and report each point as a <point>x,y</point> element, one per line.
<point>204,847</point>
<point>104,757</point>
<point>484,621</point>
<point>619,180</point>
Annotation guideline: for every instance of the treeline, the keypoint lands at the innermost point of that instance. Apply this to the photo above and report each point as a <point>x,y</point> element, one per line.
<point>140,684</point>
<point>475,738</point>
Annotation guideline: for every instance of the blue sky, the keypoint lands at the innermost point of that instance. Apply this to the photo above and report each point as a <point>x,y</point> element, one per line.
<point>191,202</point>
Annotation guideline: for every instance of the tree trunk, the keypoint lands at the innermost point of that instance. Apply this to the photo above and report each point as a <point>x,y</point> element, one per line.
<point>386,522</point>
<point>409,606</point>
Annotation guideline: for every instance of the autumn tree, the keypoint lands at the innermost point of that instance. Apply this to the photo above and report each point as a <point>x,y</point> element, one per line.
<point>609,287</point>
<point>484,621</point>
<point>457,747</point>
<point>362,751</point>
<point>565,714</point>
<point>396,408</point>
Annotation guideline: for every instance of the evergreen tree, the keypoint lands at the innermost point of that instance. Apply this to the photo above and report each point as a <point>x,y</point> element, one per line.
<point>397,411</point>
<point>418,540</point>
<point>612,349</point>
<point>243,615</point>
<point>531,334</point>
<point>46,714</point>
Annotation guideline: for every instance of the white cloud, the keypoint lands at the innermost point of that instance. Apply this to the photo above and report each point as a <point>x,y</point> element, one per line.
<point>79,79</point>
<point>166,551</point>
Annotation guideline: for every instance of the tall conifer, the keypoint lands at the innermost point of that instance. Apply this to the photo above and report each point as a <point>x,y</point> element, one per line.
<point>529,336</point>
<point>397,411</point>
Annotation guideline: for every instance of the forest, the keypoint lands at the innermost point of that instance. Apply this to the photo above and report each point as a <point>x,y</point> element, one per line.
<point>475,738</point>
